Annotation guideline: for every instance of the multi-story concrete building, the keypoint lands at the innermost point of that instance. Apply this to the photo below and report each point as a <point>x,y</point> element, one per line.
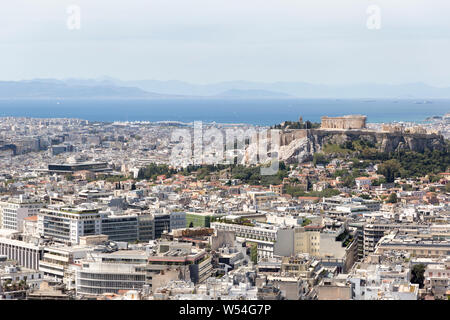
<point>68,224</point>
<point>146,227</point>
<point>359,238</point>
<point>15,210</point>
<point>136,269</point>
<point>162,223</point>
<point>437,278</point>
<point>177,220</point>
<point>56,259</point>
<point>333,248</point>
<point>109,273</point>
<point>373,232</point>
<point>64,168</point>
<point>129,227</point>
<point>413,245</point>
<point>264,238</point>
<point>25,253</point>
<point>120,227</point>
<point>294,240</point>
<point>194,264</point>
<point>166,222</point>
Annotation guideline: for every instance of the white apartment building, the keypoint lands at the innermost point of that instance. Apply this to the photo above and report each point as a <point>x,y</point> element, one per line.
<point>14,210</point>
<point>56,259</point>
<point>25,253</point>
<point>66,224</point>
<point>264,238</point>
<point>102,273</point>
<point>97,276</point>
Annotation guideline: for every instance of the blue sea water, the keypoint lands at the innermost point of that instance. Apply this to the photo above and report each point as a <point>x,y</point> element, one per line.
<point>252,111</point>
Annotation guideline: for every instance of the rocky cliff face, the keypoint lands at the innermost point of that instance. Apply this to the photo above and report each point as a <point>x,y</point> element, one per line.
<point>298,146</point>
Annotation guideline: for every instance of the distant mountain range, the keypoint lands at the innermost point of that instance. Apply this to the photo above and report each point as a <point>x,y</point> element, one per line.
<point>237,93</point>
<point>153,89</point>
<point>50,88</point>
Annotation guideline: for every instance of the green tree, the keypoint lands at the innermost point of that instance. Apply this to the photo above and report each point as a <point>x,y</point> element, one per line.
<point>392,198</point>
<point>319,158</point>
<point>417,274</point>
<point>348,181</point>
<point>378,182</point>
<point>153,170</point>
<point>254,253</point>
<point>390,169</point>
<point>306,222</point>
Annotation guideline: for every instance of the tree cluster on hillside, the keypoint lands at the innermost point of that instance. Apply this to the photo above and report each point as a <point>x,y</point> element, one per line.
<point>153,170</point>
<point>252,175</point>
<point>296,125</point>
<point>206,169</point>
<point>390,169</point>
<point>402,163</point>
<point>296,191</point>
<point>407,164</point>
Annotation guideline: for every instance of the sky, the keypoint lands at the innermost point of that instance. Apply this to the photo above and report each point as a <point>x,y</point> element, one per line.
<point>206,41</point>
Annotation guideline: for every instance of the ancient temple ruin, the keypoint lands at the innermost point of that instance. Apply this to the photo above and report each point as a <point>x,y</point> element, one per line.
<point>344,122</point>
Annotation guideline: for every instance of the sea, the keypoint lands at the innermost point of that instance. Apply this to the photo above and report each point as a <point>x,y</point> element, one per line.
<point>263,112</point>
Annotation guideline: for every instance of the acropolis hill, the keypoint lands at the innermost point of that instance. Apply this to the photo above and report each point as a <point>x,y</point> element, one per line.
<point>299,145</point>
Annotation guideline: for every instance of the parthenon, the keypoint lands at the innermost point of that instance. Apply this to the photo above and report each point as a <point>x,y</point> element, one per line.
<point>344,122</point>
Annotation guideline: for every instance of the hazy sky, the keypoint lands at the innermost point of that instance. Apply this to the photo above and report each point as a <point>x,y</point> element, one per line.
<point>203,41</point>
